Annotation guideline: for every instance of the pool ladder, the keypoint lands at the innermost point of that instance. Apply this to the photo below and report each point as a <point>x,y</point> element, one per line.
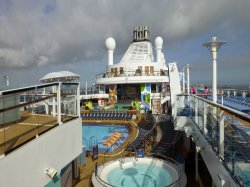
<point>121,160</point>
<point>136,158</point>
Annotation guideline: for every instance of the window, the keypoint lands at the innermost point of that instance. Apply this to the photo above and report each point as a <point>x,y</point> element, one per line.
<point>121,70</point>
<point>114,72</point>
<point>147,70</point>
<point>153,88</point>
<point>152,70</point>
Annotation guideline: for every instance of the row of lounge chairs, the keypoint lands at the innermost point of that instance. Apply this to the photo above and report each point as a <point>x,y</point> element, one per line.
<point>112,139</point>
<point>237,99</point>
<point>143,132</point>
<point>107,116</point>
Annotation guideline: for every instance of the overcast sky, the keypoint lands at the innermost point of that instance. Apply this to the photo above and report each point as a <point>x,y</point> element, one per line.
<point>41,36</point>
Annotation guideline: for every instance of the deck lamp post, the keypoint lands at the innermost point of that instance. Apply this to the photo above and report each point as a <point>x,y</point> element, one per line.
<point>183,80</point>
<point>213,47</point>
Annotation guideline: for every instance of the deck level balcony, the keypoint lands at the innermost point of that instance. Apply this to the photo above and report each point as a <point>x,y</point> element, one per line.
<point>132,77</point>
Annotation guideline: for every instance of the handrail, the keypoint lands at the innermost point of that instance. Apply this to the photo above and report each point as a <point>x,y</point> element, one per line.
<point>27,103</point>
<point>24,89</point>
<point>105,153</point>
<point>131,74</point>
<point>149,132</point>
<point>104,181</point>
<point>230,172</point>
<point>237,141</point>
<point>30,105</point>
<point>174,162</point>
<point>228,109</point>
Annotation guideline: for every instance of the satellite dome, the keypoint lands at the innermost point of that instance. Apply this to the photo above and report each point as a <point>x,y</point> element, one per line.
<point>110,43</point>
<point>158,42</point>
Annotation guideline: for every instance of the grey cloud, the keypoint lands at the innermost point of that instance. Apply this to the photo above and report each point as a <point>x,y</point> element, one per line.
<point>38,33</point>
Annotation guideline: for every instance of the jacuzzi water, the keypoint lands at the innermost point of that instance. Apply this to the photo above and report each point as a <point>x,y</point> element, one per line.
<point>135,172</point>
<point>140,175</point>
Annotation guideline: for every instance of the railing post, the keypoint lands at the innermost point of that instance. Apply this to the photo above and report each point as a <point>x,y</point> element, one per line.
<point>204,129</point>
<point>196,106</point>
<point>221,134</point>
<point>59,103</point>
<point>53,101</point>
<point>78,107</point>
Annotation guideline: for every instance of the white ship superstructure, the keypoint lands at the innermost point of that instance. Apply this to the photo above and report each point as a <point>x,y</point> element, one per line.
<point>138,76</point>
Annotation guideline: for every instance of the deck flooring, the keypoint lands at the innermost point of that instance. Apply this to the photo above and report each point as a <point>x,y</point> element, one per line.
<point>26,128</point>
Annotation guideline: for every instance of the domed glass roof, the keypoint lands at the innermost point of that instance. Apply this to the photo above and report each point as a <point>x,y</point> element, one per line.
<point>60,76</point>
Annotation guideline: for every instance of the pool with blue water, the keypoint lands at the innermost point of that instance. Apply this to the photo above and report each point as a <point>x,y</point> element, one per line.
<point>93,134</point>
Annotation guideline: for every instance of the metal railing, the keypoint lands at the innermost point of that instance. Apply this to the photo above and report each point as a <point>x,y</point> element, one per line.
<point>131,74</point>
<point>26,113</point>
<point>225,129</point>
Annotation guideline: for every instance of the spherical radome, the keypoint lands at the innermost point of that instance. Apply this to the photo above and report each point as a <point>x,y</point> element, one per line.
<point>158,41</point>
<point>110,43</point>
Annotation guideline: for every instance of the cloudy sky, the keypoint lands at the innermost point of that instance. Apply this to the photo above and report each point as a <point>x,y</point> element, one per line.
<point>41,36</point>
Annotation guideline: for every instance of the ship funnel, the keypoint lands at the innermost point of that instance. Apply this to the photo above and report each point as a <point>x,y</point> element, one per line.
<point>110,45</point>
<point>141,34</point>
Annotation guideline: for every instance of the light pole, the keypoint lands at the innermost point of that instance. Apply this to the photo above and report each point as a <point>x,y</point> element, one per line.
<point>183,80</point>
<point>213,47</point>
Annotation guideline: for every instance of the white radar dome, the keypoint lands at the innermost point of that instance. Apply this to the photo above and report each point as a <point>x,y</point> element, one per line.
<point>159,42</point>
<point>110,43</point>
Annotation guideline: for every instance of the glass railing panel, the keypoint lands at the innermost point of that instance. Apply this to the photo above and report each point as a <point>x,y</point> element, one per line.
<point>26,113</point>
<point>131,73</point>
<point>237,146</point>
<point>68,101</point>
<point>226,130</point>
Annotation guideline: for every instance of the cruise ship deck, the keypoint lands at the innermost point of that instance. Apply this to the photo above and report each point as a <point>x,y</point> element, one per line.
<point>211,140</point>
<point>34,122</point>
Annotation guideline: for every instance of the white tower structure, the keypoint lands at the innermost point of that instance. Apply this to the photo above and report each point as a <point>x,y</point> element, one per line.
<point>188,87</point>
<point>110,45</point>
<point>158,47</point>
<point>183,80</point>
<point>213,47</point>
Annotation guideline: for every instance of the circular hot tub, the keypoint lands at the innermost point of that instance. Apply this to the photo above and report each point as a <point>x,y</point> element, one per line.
<point>134,172</point>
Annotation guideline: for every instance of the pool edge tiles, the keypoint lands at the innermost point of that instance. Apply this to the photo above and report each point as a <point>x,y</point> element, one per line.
<point>130,163</point>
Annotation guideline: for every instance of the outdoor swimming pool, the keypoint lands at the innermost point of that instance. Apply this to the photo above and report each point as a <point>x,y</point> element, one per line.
<point>146,172</point>
<point>93,134</point>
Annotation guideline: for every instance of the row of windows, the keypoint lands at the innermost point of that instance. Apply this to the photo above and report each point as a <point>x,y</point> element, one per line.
<point>147,70</point>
